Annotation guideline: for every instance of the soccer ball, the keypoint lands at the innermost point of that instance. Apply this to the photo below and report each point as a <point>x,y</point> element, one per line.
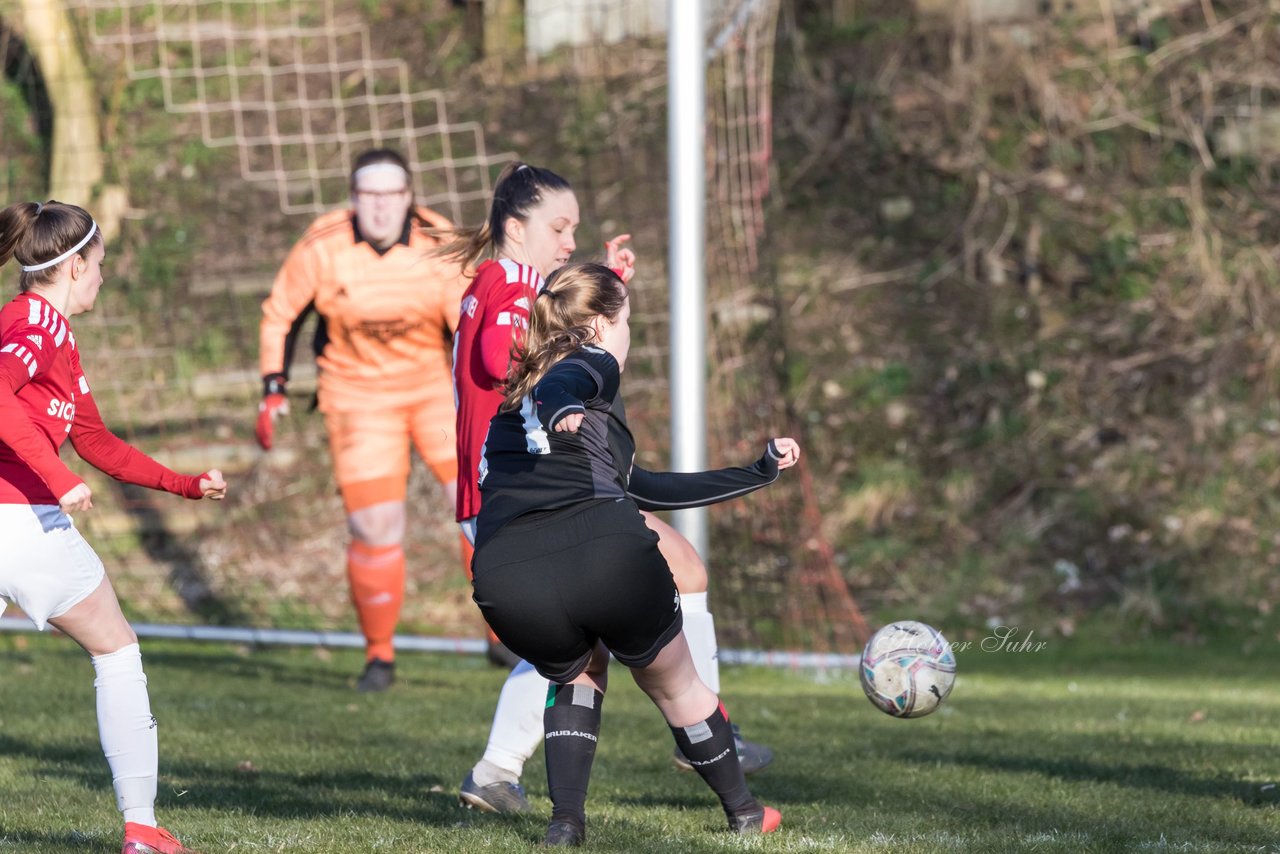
<point>907,669</point>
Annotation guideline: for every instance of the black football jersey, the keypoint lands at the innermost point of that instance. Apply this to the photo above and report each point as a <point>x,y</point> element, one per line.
<point>528,467</point>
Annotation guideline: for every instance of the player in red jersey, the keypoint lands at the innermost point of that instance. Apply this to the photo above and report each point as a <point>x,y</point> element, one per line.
<point>46,568</point>
<point>530,234</point>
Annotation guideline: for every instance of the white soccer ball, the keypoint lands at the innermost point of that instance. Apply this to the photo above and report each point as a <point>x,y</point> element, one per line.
<point>908,669</point>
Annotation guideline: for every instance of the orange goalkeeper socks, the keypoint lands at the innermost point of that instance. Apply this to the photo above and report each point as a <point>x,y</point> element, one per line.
<point>376,574</point>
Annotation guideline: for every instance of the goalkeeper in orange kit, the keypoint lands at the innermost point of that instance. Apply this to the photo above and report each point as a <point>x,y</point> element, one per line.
<point>388,310</point>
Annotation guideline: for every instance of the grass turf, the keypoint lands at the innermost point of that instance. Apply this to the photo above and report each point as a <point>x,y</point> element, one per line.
<point>1078,747</point>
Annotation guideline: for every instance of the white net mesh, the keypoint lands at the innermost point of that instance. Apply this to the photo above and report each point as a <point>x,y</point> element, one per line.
<point>296,89</point>
<point>775,580</point>
<point>787,582</point>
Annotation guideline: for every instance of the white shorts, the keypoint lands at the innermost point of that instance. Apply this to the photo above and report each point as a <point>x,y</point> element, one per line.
<point>46,567</point>
<point>468,527</point>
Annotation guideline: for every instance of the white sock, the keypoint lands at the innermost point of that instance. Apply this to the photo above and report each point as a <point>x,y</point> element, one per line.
<point>700,632</point>
<point>517,727</point>
<point>128,732</point>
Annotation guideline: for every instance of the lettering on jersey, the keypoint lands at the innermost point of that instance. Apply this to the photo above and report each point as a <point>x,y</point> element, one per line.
<point>523,302</point>
<point>37,340</point>
<point>504,319</point>
<point>469,306</point>
<point>63,409</point>
<point>383,331</point>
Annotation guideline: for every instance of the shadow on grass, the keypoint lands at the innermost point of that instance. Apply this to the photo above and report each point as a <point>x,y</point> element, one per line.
<point>418,797</point>
<point>187,574</point>
<point>1110,791</point>
<point>25,840</point>
<point>339,674</point>
<point>976,811</point>
<point>1160,778</point>
<point>254,668</point>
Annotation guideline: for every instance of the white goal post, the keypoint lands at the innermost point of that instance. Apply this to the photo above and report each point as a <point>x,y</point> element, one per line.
<point>686,133</point>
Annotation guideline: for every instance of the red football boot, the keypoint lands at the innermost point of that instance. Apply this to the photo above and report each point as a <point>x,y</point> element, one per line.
<point>763,820</point>
<point>141,839</point>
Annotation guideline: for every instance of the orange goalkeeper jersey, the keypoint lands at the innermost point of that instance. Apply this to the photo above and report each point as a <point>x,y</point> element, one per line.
<point>387,315</point>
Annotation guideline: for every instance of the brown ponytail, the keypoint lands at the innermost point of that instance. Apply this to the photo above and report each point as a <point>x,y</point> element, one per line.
<point>518,190</point>
<point>560,322</point>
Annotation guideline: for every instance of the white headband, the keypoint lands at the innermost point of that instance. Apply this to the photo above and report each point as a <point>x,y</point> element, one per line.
<point>65,255</point>
<point>381,166</point>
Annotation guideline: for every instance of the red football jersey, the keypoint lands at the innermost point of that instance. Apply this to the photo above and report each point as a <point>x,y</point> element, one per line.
<point>44,399</point>
<point>495,309</point>
<point>37,350</point>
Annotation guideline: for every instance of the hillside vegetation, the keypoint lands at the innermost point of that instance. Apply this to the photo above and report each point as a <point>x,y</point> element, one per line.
<point>1035,337</point>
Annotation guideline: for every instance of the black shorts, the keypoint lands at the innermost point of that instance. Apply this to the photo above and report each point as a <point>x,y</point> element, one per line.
<point>551,585</point>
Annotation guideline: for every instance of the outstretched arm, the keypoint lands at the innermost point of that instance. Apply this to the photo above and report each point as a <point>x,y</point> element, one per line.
<point>291,300</point>
<point>562,396</point>
<point>680,490</point>
<point>108,453</point>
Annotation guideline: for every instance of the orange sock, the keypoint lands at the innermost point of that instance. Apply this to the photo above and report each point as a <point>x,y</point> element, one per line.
<point>376,574</point>
<point>468,553</point>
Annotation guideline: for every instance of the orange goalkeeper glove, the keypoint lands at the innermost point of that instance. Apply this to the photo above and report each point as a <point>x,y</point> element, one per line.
<point>273,405</point>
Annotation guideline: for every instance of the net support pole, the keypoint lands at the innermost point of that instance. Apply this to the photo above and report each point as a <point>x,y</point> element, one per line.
<point>686,131</point>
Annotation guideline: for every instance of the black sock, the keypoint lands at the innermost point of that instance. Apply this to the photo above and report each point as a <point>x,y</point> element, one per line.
<point>709,747</point>
<point>572,725</point>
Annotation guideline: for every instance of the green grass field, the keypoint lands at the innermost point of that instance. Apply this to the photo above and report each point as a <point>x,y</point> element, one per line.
<point>1080,747</point>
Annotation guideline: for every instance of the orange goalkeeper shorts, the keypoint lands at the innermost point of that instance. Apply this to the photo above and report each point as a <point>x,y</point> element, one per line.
<point>370,449</point>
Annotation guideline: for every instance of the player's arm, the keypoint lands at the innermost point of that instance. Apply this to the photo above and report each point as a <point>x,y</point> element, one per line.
<point>292,298</point>
<point>24,356</point>
<point>679,490</point>
<point>503,323</point>
<point>108,453</point>
<point>563,395</point>
<point>496,343</point>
